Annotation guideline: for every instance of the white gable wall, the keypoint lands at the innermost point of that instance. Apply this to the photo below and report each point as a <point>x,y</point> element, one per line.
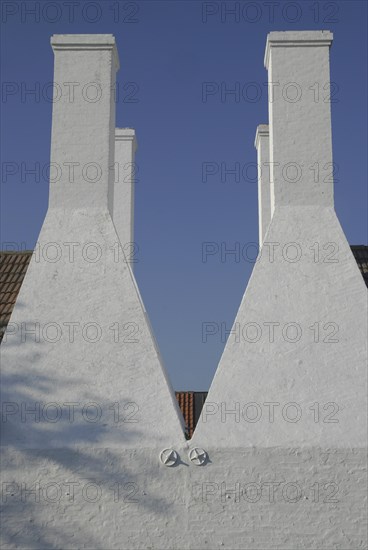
<point>271,482</point>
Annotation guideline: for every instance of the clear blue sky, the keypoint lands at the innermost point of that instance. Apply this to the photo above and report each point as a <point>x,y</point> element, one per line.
<point>168,49</point>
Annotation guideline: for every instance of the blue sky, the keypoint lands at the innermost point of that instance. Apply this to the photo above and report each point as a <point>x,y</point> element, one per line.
<point>168,50</point>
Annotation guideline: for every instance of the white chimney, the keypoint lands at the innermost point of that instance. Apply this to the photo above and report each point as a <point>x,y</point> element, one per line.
<point>264,192</point>
<point>79,331</point>
<point>125,173</point>
<point>300,118</point>
<point>278,459</point>
<point>82,142</point>
<point>300,332</point>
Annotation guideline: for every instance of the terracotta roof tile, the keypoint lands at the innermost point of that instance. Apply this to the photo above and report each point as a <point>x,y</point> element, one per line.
<point>13,267</point>
<point>190,403</point>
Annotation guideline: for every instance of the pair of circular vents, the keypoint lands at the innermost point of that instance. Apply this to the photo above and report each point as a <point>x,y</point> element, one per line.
<point>169,457</point>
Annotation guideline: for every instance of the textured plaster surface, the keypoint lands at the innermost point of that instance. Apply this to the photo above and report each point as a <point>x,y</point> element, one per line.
<point>244,498</point>
<point>300,118</point>
<point>91,340</point>
<point>316,354</point>
<point>125,170</point>
<point>300,333</point>
<point>83,122</point>
<point>262,144</point>
<point>272,480</point>
<point>123,366</point>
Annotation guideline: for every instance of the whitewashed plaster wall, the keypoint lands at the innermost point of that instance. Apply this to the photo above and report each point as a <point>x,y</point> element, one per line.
<point>262,144</point>
<point>269,482</point>
<point>123,200</point>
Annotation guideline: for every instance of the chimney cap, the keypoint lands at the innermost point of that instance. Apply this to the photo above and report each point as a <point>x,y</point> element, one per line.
<point>126,134</point>
<point>296,38</point>
<point>263,130</point>
<point>86,42</point>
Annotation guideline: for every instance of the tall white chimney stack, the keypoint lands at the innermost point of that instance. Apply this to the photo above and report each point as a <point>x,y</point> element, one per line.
<point>93,451</point>
<point>300,118</point>
<point>305,285</point>
<point>125,171</point>
<point>79,320</point>
<point>83,121</point>
<point>262,144</point>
